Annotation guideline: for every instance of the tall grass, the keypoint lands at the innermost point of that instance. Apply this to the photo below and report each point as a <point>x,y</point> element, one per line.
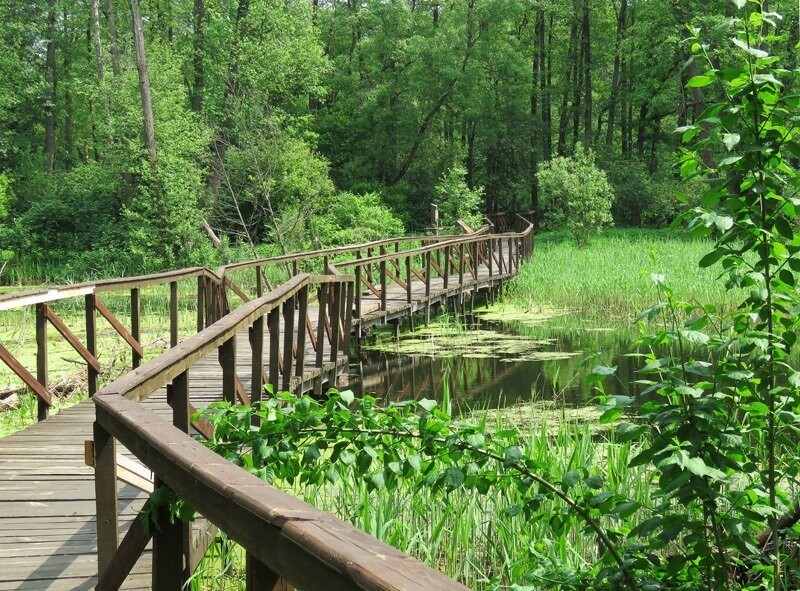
<point>610,278</point>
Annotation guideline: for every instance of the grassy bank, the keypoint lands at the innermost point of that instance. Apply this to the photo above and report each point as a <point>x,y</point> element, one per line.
<point>610,278</point>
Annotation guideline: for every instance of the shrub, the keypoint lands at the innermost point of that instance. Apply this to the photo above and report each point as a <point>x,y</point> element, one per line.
<point>456,200</point>
<point>576,193</point>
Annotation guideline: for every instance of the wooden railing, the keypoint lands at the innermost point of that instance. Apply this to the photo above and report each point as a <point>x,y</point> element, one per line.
<point>209,308</point>
<point>284,538</point>
<point>515,221</point>
<point>442,262</point>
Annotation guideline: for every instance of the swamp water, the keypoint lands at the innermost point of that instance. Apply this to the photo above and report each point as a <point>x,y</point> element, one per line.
<point>491,360</point>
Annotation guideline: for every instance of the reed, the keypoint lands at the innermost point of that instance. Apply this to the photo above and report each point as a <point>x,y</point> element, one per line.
<point>610,278</point>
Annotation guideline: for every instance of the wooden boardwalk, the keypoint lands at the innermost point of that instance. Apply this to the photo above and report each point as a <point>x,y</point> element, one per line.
<point>48,534</point>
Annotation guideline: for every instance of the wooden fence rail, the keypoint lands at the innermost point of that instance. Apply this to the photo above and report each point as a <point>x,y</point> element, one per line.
<point>211,293</point>
<point>283,537</point>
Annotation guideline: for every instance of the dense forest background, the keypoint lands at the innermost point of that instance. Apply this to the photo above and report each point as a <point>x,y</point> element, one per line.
<point>137,135</point>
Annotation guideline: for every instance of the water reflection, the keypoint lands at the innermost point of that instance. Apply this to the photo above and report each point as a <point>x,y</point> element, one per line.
<point>505,378</point>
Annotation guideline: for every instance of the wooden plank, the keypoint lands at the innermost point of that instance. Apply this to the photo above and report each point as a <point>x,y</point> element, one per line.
<point>173,313</point>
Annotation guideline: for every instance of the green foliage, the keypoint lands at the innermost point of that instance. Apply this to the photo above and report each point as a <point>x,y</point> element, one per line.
<point>725,431</point>
<point>343,443</point>
<point>576,194</point>
<point>350,219</point>
<point>456,200</point>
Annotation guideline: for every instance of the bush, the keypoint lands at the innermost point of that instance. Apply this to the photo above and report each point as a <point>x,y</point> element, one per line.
<point>352,218</point>
<point>576,194</point>
<point>456,200</point>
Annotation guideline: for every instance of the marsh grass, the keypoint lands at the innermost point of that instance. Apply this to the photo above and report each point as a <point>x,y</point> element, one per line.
<point>610,278</point>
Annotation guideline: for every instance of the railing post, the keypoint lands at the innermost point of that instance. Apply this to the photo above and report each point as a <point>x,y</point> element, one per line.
<point>274,327</point>
<point>259,577</point>
<point>358,292</point>
<point>382,266</point>
<point>335,307</point>
<point>475,260</point>
<point>105,491</point>
<point>170,566</point>
<point>326,261</point>
<point>259,282</point>
<point>321,320</point>
<point>91,341</point>
<point>302,314</point>
<point>348,318</point>
<point>257,361</point>
<point>173,313</point>
<point>446,267</point>
<point>500,260</point>
<point>201,292</point>
<point>490,255</point>
<point>408,279</point>
<point>288,342</point>
<point>136,326</point>
<point>460,265</point>
<point>227,361</point>
<point>42,410</point>
<point>510,255</point>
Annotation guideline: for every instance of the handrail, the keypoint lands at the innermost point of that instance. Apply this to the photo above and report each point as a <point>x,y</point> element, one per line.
<point>211,295</point>
<point>301,256</point>
<point>283,536</point>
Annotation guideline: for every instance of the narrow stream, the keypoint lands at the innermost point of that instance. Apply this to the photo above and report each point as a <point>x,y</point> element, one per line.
<point>490,363</point>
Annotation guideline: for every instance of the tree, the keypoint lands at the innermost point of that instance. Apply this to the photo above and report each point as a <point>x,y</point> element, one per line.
<point>577,194</point>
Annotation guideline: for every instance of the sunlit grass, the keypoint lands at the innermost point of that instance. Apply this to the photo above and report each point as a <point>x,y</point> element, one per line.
<point>610,278</point>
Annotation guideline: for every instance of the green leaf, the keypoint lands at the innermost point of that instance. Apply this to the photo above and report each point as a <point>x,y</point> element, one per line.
<point>453,477</point>
<point>699,468</point>
<point>594,482</point>
<point>427,404</point>
<point>571,478</point>
<point>731,140</point>
<point>754,51</point>
<point>699,81</point>
<point>602,370</point>
<point>711,258</point>
<point>610,415</point>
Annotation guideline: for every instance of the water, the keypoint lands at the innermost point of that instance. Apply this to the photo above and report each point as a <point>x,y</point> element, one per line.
<point>490,364</point>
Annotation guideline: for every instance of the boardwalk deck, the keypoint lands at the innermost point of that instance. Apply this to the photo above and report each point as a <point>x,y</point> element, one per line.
<point>47,495</point>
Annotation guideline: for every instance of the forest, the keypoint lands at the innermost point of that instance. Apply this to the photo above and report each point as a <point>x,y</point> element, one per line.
<point>144,135</point>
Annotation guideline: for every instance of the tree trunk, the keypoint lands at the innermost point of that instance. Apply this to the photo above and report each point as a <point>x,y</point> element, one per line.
<point>144,84</point>
<point>563,122</point>
<point>98,47</point>
<point>545,85</point>
<point>622,17</point>
<point>536,122</point>
<point>576,99</point>
<point>198,16</point>
<point>50,91</point>
<point>587,77</point>
<point>69,139</point>
<point>111,21</point>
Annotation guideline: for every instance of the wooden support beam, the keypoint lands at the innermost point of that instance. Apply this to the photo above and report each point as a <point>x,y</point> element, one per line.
<point>173,313</point>
<point>105,491</point>
<point>130,549</point>
<point>93,370</point>
<point>42,404</point>
<point>302,322</point>
<point>227,361</point>
<point>256,334</point>
<point>75,342</point>
<point>135,346</point>
<point>288,343</point>
<point>274,327</point>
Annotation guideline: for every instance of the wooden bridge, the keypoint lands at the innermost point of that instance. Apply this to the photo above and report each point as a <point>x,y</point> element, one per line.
<point>73,487</point>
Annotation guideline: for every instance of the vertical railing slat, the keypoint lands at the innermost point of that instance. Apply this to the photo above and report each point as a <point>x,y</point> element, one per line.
<point>42,410</point>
